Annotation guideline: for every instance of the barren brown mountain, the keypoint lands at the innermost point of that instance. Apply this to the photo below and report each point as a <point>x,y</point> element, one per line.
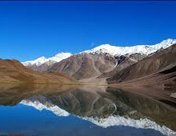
<point>123,62</point>
<point>85,65</point>
<point>14,71</point>
<point>94,65</point>
<point>159,61</point>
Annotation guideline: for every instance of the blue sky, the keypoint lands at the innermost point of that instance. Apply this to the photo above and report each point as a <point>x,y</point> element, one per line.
<point>32,29</point>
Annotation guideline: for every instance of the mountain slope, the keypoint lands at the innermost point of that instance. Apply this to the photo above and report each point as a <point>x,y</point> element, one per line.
<point>123,62</point>
<point>85,65</point>
<point>160,61</point>
<point>14,71</point>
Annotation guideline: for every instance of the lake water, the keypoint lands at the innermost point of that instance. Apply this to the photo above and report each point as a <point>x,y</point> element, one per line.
<point>81,111</point>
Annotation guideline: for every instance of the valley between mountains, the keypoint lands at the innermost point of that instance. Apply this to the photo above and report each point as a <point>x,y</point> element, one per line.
<point>146,69</point>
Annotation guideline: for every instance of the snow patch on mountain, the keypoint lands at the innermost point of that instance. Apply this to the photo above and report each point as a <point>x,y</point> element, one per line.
<point>121,50</point>
<point>39,61</point>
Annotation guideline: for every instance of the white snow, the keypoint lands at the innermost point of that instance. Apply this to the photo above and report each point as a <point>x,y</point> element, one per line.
<point>106,48</point>
<point>122,50</point>
<point>39,106</point>
<point>39,61</point>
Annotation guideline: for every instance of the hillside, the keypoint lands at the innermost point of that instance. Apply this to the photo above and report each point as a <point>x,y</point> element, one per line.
<point>13,71</point>
<point>85,65</point>
<point>155,63</point>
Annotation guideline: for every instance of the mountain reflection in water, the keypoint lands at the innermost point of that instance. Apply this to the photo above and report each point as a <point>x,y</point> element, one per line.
<point>82,110</point>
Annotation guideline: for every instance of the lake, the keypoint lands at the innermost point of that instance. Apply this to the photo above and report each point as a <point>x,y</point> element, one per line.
<point>32,110</point>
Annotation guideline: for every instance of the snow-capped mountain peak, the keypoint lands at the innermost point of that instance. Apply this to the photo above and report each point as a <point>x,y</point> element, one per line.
<point>165,44</point>
<point>106,48</point>
<point>122,50</point>
<point>60,56</point>
<point>39,61</point>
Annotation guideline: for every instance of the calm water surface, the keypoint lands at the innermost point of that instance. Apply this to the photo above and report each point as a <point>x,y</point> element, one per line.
<point>82,111</point>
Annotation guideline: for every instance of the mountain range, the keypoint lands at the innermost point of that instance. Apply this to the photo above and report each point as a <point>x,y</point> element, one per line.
<point>106,48</point>
<point>101,62</point>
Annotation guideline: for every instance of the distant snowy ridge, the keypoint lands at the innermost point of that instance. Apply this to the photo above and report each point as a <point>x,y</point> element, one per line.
<point>106,48</point>
<point>142,49</point>
<point>39,61</point>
